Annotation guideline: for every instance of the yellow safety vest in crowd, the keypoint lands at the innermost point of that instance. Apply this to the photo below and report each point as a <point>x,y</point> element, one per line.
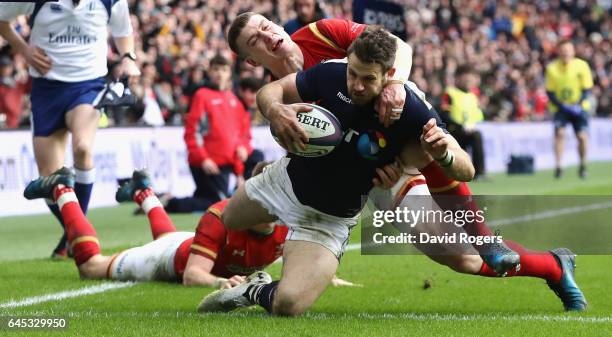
<point>568,81</point>
<point>464,107</point>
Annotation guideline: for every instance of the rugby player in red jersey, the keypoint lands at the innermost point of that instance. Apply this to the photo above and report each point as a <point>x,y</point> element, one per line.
<point>214,256</point>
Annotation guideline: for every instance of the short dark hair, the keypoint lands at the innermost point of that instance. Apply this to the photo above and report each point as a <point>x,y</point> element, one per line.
<point>375,45</point>
<point>236,28</point>
<point>250,83</point>
<point>463,69</point>
<point>220,60</point>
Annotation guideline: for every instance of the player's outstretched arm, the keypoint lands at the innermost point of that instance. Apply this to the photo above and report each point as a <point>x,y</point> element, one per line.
<point>274,101</point>
<point>197,273</point>
<point>403,61</point>
<point>445,149</point>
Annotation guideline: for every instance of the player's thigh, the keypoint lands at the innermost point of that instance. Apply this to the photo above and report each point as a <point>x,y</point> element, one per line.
<point>82,122</point>
<point>580,124</point>
<point>49,151</point>
<point>241,212</point>
<point>560,120</point>
<point>308,268</point>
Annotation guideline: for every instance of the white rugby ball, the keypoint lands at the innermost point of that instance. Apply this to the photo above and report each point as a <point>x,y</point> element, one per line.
<point>323,129</point>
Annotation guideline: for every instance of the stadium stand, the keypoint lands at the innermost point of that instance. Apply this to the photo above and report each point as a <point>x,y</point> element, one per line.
<point>508,43</point>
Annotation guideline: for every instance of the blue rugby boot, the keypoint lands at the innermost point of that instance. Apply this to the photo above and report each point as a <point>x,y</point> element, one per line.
<point>42,187</point>
<point>140,181</point>
<point>501,258</point>
<point>567,290</point>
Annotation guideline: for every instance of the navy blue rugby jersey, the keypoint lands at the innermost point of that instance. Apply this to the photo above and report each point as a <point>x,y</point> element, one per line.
<point>334,184</point>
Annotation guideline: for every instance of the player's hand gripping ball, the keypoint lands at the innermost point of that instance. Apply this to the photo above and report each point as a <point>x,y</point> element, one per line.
<point>323,129</point>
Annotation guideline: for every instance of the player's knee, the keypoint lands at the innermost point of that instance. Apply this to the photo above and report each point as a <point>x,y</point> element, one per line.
<point>559,133</point>
<point>228,219</point>
<point>288,303</point>
<point>81,150</point>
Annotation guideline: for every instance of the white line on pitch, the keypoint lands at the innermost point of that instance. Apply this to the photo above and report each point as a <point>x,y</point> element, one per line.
<point>411,316</point>
<point>550,214</point>
<point>104,287</point>
<point>459,317</point>
<point>100,288</point>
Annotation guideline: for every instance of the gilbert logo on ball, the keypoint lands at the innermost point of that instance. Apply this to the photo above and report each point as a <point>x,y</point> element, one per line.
<point>323,129</point>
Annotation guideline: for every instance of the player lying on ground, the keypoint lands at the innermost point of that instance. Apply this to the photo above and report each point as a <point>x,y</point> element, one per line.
<point>262,42</point>
<point>213,257</point>
<point>310,200</point>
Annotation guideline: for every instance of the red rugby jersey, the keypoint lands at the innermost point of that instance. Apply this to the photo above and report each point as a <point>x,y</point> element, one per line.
<point>227,125</point>
<point>326,39</point>
<point>234,252</point>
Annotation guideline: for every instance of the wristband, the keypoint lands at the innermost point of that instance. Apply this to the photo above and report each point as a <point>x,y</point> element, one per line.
<point>447,159</point>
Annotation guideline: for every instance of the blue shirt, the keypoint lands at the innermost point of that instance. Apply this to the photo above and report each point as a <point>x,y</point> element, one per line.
<point>338,183</point>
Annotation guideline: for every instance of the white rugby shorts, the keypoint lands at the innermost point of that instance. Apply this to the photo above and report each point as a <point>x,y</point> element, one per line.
<point>273,190</point>
<point>153,261</point>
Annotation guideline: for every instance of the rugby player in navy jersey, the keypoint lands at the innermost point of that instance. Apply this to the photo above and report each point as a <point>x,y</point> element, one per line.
<point>261,41</point>
<point>320,198</point>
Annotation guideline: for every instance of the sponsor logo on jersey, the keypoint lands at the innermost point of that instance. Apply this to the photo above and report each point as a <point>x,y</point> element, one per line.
<point>344,98</point>
<point>370,143</point>
<point>72,35</point>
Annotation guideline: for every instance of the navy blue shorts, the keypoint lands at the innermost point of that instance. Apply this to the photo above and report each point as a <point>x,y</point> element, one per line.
<point>51,100</point>
<point>579,122</point>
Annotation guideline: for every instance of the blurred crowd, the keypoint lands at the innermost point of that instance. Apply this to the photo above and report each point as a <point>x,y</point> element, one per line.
<point>508,44</point>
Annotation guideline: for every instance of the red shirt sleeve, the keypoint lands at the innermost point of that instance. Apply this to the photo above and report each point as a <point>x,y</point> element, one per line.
<point>196,153</point>
<point>210,235</point>
<point>341,32</point>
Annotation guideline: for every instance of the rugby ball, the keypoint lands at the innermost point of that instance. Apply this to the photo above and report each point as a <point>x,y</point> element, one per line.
<point>323,129</point>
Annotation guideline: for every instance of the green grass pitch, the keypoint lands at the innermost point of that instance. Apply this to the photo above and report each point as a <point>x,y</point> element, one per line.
<point>392,301</point>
